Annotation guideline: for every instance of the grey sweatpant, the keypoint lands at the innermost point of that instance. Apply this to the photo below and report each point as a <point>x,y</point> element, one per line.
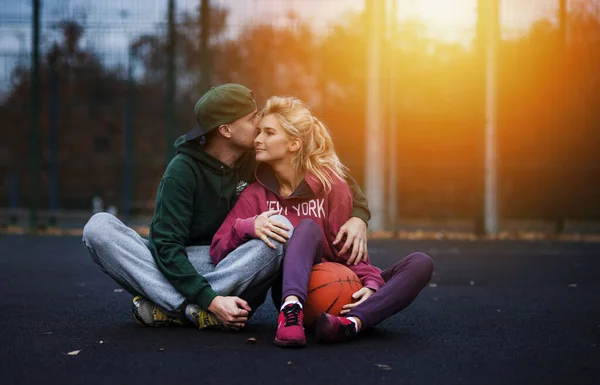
<point>123,254</point>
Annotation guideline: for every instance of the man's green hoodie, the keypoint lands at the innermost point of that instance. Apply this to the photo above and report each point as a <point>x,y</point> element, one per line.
<point>196,193</point>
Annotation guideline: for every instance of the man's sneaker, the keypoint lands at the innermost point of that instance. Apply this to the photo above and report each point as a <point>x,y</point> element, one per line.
<point>289,326</point>
<point>203,319</point>
<point>330,328</point>
<point>146,313</point>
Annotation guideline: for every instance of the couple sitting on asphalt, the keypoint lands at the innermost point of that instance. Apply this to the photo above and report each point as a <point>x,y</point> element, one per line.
<point>226,214</point>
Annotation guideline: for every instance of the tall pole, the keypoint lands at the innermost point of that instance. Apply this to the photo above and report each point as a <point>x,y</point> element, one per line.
<point>34,160</point>
<point>375,152</point>
<point>393,158</point>
<point>561,89</point>
<point>491,41</point>
<point>53,118</point>
<point>127,196</point>
<point>13,196</point>
<point>562,21</point>
<point>171,86</point>
<point>205,56</point>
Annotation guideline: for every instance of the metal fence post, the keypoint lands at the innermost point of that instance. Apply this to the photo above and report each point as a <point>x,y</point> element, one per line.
<point>205,57</point>
<point>34,159</point>
<point>128,139</point>
<point>52,169</point>
<point>171,85</point>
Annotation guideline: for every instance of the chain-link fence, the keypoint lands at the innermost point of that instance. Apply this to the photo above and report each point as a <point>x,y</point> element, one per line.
<point>116,89</point>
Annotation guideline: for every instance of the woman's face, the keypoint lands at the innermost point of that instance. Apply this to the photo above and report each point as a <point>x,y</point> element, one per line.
<point>272,143</point>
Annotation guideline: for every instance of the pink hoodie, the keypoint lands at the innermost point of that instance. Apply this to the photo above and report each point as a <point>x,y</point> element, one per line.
<point>310,200</point>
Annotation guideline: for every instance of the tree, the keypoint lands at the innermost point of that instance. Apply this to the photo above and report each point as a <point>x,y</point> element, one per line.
<point>90,114</point>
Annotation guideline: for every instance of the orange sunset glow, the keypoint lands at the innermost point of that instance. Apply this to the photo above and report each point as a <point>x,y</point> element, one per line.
<point>432,84</point>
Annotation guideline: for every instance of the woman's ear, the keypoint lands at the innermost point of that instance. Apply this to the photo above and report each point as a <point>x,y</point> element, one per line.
<point>295,145</point>
<point>225,130</point>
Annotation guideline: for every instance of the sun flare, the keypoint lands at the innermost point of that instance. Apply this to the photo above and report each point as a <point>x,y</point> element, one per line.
<point>442,20</point>
<point>442,13</point>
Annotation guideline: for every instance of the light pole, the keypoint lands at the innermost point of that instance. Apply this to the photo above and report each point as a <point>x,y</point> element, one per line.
<point>490,9</point>
<point>393,158</point>
<point>375,150</point>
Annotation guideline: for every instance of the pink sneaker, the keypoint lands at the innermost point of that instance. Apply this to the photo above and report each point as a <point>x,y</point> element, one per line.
<point>290,331</point>
<point>330,328</point>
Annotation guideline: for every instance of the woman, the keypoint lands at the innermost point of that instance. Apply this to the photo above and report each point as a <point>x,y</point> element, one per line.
<point>301,178</point>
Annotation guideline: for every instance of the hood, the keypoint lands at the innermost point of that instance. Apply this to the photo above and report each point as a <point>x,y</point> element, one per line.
<point>194,148</point>
<point>310,187</point>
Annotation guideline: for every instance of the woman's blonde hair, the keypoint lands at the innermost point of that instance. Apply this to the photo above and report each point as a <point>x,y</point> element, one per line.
<point>317,154</point>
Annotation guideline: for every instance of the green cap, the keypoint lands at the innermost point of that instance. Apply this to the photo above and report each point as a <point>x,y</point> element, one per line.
<point>221,105</point>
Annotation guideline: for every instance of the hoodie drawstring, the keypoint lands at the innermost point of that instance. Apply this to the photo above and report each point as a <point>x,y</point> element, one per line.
<point>221,195</point>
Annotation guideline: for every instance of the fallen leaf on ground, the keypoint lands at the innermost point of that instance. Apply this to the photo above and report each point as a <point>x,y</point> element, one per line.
<point>74,352</point>
<point>161,349</point>
<point>251,340</point>
<point>383,366</point>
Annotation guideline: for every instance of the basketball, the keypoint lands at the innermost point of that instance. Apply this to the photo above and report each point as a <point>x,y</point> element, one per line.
<point>330,287</point>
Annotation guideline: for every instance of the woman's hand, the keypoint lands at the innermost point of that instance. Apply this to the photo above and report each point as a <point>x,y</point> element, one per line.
<point>355,231</point>
<point>266,228</point>
<point>360,297</point>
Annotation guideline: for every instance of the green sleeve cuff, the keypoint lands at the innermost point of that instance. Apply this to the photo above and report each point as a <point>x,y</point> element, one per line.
<point>361,213</point>
<point>205,297</point>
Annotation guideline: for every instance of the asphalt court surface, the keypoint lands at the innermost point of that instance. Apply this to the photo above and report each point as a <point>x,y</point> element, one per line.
<point>504,312</point>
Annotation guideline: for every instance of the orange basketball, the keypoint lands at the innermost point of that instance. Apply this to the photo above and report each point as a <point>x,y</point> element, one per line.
<point>330,287</point>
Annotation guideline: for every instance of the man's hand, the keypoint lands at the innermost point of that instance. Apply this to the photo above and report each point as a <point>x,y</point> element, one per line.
<point>266,228</point>
<point>355,231</point>
<point>231,311</point>
<point>360,297</point>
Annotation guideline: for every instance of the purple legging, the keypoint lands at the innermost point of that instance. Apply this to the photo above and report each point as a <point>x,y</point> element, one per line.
<point>404,280</point>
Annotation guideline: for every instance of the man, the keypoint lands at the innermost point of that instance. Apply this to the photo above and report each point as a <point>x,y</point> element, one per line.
<point>171,274</point>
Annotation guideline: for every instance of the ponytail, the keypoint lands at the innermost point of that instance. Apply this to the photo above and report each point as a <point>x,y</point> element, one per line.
<point>317,155</point>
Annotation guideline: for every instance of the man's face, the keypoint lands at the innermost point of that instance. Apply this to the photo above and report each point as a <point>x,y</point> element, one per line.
<point>243,130</point>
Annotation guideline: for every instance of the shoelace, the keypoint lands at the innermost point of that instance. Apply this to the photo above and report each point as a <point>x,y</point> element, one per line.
<point>204,319</point>
<point>347,329</point>
<point>292,315</point>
